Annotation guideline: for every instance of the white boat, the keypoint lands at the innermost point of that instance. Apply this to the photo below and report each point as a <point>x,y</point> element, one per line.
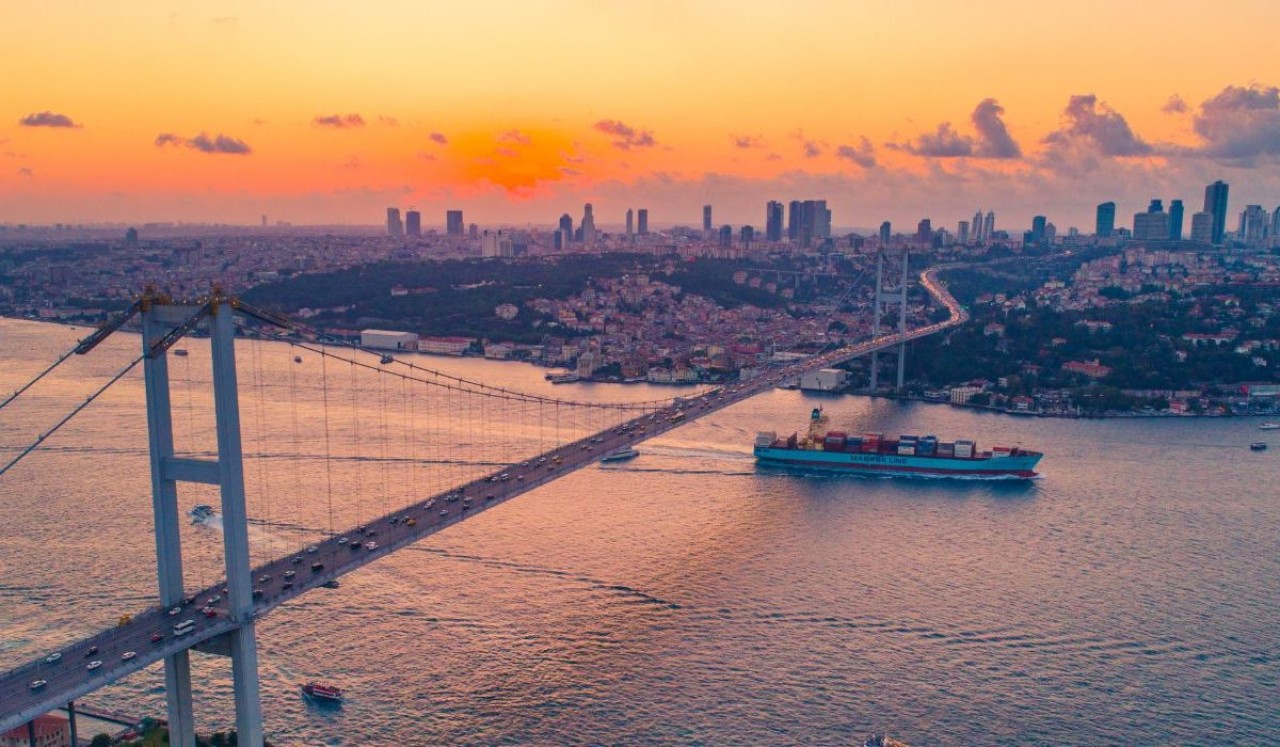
<point>1269,427</point>
<point>565,378</point>
<point>621,455</point>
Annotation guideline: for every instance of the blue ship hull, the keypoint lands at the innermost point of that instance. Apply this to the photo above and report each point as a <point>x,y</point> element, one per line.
<point>1021,466</point>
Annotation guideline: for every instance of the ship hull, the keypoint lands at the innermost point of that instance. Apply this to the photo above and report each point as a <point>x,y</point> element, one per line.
<point>995,467</point>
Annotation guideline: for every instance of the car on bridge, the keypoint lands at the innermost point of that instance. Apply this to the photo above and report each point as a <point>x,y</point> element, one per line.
<point>51,658</point>
<point>95,664</point>
<point>37,684</point>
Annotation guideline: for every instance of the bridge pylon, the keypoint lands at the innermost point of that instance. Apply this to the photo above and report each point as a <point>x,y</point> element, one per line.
<point>891,297</point>
<point>163,323</point>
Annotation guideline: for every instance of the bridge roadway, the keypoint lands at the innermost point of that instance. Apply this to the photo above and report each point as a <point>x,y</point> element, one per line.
<point>67,676</point>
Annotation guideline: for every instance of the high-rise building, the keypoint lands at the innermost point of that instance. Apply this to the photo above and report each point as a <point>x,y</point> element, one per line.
<point>726,236</point>
<point>394,226</point>
<point>706,218</point>
<point>453,223</point>
<point>489,244</point>
<point>962,232</point>
<point>560,241</point>
<point>1175,220</point>
<point>630,222</point>
<point>773,221</point>
<point>566,225</point>
<point>473,231</point>
<point>1275,227</point>
<point>976,227</point>
<point>1037,229</point>
<point>588,225</point>
<point>642,221</point>
<point>1105,224</point>
<point>1156,206</point>
<point>794,219</point>
<point>1202,228</point>
<point>413,223</point>
<point>886,233</point>
<point>1215,204</point>
<point>989,226</point>
<point>924,232</point>
<point>748,236</point>
<point>1254,229</point>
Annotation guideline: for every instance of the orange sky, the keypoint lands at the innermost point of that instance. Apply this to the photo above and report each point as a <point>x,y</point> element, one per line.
<point>539,106</point>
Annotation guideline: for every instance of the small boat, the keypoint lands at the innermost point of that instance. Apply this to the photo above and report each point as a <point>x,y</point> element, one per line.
<point>1258,446</point>
<point>181,353</point>
<point>883,740</point>
<point>322,692</point>
<point>565,378</point>
<point>330,584</point>
<point>201,512</point>
<point>387,359</point>
<point>1269,427</point>
<point>621,455</point>
<point>297,359</point>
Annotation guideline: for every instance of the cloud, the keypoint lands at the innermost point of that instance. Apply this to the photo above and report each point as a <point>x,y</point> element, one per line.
<point>942,143</point>
<point>339,121</point>
<point>569,172</point>
<point>508,152</point>
<point>1240,124</point>
<point>747,141</point>
<point>626,137</point>
<point>515,137</point>
<point>1175,105</point>
<point>813,149</point>
<point>439,138</point>
<point>218,144</point>
<point>1091,124</point>
<point>862,154</point>
<point>47,119</point>
<point>994,140</point>
<point>24,171</point>
<point>388,121</point>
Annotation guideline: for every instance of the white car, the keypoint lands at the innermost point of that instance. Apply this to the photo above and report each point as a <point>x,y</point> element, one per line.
<point>371,545</point>
<point>342,540</point>
<point>37,684</point>
<point>127,655</point>
<point>175,611</point>
<point>51,658</point>
<point>313,548</point>
<point>94,665</point>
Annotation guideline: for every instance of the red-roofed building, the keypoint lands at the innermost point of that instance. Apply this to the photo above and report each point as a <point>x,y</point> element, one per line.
<point>51,731</point>
<point>1092,369</point>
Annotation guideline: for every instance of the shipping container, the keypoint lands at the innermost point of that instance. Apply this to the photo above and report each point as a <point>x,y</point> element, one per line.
<point>906,449</point>
<point>946,450</point>
<point>927,448</point>
<point>964,451</point>
<point>836,434</point>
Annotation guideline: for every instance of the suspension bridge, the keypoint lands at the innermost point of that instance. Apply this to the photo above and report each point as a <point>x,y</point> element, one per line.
<point>219,618</point>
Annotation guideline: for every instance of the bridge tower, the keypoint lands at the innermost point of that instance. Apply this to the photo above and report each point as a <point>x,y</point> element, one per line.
<point>163,323</point>
<point>891,291</point>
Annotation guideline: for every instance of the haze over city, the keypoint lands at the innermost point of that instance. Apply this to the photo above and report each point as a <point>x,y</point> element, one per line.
<point>135,111</point>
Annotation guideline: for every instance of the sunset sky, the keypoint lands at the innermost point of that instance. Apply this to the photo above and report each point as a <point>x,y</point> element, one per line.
<point>515,112</point>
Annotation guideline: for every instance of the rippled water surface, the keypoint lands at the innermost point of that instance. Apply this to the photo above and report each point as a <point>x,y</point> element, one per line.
<point>1131,595</point>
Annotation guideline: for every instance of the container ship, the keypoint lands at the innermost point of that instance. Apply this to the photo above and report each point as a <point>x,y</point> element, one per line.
<point>872,453</point>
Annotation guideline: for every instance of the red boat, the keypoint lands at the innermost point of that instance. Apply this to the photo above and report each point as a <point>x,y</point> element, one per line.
<point>319,691</point>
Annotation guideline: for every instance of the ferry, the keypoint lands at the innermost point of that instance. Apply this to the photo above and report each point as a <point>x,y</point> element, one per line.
<point>201,512</point>
<point>564,378</point>
<point>908,456</point>
<point>322,692</point>
<point>621,455</point>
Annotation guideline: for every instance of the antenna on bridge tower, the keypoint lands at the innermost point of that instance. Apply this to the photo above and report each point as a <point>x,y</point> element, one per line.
<point>891,290</point>
<point>163,323</point>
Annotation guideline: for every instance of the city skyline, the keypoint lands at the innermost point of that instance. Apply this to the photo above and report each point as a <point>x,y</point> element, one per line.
<point>223,117</point>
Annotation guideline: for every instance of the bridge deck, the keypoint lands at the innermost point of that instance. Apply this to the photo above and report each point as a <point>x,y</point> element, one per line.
<point>68,678</point>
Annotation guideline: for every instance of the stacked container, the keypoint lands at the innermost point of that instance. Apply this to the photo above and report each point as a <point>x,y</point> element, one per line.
<point>946,450</point>
<point>965,449</point>
<point>906,445</point>
<point>927,446</point>
<point>871,442</point>
<point>834,441</point>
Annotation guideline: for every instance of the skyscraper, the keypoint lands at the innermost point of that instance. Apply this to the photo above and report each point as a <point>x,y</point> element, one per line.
<point>1106,222</point>
<point>453,223</point>
<point>748,235</point>
<point>394,226</point>
<point>1153,225</point>
<point>886,233</point>
<point>962,232</point>
<point>1202,228</point>
<point>413,223</point>
<point>1254,229</point>
<point>1175,220</point>
<point>924,232</point>
<point>706,218</point>
<point>726,236</point>
<point>794,219</point>
<point>566,225</point>
<point>630,221</point>
<point>1215,204</point>
<point>989,226</point>
<point>1275,227</point>
<point>588,225</point>
<point>976,226</point>
<point>773,221</point>
<point>642,222</point>
<point>1037,229</point>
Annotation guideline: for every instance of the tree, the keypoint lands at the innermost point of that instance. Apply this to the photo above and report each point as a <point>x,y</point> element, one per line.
<point>101,740</point>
